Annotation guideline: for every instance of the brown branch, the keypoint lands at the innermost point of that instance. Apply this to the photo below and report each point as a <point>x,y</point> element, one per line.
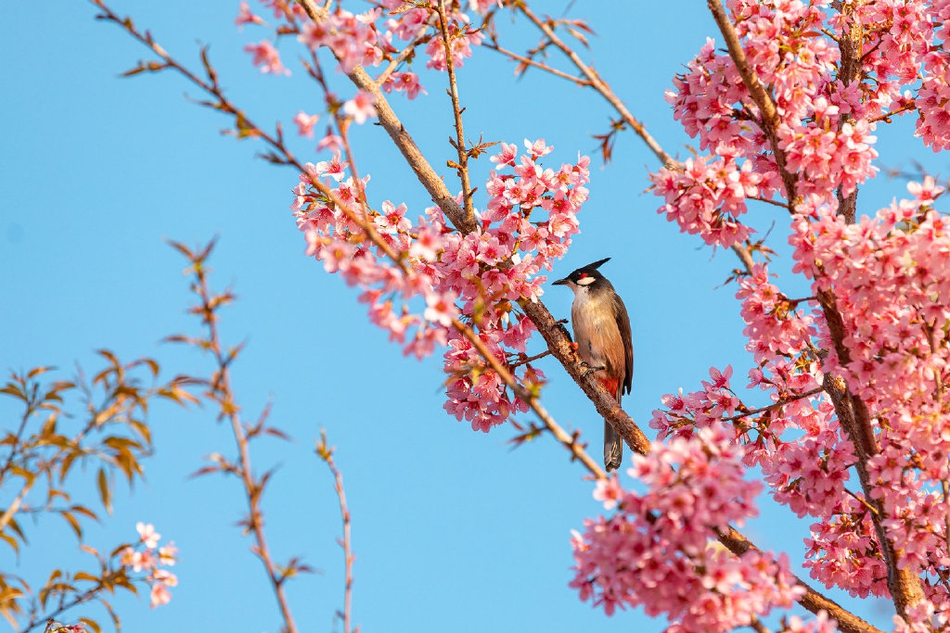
<point>326,454</point>
<point>224,395</point>
<point>758,627</point>
<point>776,405</point>
<point>457,113</point>
<point>599,85</point>
<point>768,113</point>
<point>812,600</point>
<point>745,256</point>
<point>905,586</point>
<point>527,61</point>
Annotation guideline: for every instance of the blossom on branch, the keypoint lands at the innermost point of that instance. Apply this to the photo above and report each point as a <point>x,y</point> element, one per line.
<point>656,551</point>
<point>477,277</point>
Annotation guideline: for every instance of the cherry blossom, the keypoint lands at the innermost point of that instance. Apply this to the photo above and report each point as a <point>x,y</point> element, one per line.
<point>655,551</point>
<point>245,16</point>
<point>305,123</point>
<point>477,278</point>
<point>267,57</point>
<point>150,559</point>
<point>360,107</point>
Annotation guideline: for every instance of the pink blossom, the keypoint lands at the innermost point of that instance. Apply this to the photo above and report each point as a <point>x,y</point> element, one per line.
<point>440,309</point>
<point>167,554</point>
<point>331,142</point>
<point>352,38</point>
<point>246,17</point>
<point>461,39</point>
<point>267,57</point>
<point>147,534</point>
<point>361,107</point>
<point>159,595</point>
<point>305,123</point>
<point>407,81</point>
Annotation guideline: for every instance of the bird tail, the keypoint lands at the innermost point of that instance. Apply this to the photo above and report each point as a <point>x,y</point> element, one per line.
<point>613,448</point>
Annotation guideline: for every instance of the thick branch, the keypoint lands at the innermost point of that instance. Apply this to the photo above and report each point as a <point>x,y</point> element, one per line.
<point>606,404</point>
<point>426,175</point>
<point>812,600</point>
<point>763,100</point>
<point>557,340</point>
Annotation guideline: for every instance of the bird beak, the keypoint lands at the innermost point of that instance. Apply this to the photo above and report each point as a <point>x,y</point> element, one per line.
<point>560,282</point>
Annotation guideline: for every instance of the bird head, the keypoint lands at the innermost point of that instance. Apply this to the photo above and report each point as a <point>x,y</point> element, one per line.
<point>583,276</point>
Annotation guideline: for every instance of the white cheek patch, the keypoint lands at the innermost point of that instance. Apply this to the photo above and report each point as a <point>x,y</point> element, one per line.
<point>585,281</point>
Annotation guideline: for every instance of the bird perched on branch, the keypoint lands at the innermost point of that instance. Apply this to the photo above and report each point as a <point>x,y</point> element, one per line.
<point>602,334</point>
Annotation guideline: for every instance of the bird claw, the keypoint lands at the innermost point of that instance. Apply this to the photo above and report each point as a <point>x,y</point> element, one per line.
<point>588,369</point>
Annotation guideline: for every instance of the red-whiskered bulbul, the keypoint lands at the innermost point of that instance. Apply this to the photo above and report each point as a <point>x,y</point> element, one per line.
<point>602,334</point>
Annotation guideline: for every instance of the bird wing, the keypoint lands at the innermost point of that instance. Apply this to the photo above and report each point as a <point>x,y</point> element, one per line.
<point>623,324</point>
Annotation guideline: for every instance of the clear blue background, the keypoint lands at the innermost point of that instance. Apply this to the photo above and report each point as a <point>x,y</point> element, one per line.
<point>453,531</point>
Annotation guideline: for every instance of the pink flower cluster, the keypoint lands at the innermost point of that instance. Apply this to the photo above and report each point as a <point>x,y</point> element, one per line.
<point>706,196</point>
<point>655,551</point>
<point>826,121</point>
<point>889,278</point>
<point>461,40</point>
<point>357,40</point>
<point>477,278</point>
<point>888,274</point>
<point>267,57</point>
<point>407,82</point>
<point>150,559</point>
<point>352,38</point>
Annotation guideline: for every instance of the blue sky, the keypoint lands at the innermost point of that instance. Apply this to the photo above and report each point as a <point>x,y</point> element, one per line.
<point>452,529</point>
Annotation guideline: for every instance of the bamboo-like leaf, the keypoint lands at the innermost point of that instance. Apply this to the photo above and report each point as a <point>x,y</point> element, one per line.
<point>73,522</point>
<point>91,625</point>
<point>104,492</point>
<point>82,575</point>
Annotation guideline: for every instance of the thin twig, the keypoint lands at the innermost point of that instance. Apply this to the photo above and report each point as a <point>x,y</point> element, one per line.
<point>221,384</point>
<point>775,405</point>
<point>326,454</point>
<point>599,85</point>
<point>527,61</point>
<point>457,113</point>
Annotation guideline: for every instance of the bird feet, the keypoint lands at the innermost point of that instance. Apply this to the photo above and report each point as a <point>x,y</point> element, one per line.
<point>588,369</point>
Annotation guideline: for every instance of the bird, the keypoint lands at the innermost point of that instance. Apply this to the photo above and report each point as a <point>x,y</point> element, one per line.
<point>604,342</point>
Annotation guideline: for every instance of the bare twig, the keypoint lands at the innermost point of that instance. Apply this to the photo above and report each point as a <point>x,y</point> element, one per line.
<point>527,61</point>
<point>598,84</point>
<point>326,454</point>
<point>220,391</point>
<point>776,405</point>
<point>462,165</point>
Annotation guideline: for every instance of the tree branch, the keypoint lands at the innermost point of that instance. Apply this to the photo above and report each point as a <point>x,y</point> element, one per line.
<point>599,85</point>
<point>457,112</point>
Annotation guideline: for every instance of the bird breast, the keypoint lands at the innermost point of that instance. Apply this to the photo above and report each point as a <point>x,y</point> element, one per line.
<point>596,332</point>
